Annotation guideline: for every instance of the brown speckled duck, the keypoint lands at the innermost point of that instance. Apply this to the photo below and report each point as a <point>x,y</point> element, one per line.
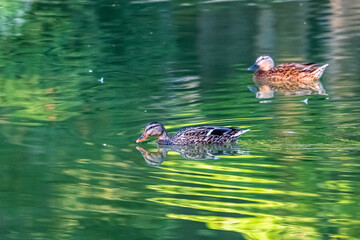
<point>287,76</point>
<point>192,135</point>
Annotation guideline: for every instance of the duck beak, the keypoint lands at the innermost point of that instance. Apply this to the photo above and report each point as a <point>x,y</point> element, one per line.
<point>253,67</point>
<point>142,137</point>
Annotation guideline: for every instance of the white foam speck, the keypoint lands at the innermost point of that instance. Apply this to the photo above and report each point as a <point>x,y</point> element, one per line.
<point>306,101</point>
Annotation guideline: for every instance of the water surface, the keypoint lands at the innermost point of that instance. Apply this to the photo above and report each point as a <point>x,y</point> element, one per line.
<point>69,164</point>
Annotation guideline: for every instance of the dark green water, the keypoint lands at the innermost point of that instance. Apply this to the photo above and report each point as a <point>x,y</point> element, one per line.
<point>69,164</point>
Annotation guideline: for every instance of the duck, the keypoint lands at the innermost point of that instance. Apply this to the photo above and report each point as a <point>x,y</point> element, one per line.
<point>192,135</point>
<point>290,77</point>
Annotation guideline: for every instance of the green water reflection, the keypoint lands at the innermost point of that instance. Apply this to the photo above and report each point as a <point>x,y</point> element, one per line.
<point>69,164</point>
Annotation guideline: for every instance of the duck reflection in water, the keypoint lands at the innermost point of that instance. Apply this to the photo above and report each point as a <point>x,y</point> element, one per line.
<point>287,78</point>
<point>194,152</point>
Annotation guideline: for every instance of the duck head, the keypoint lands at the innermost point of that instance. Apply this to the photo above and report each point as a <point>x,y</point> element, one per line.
<point>264,63</point>
<point>153,129</point>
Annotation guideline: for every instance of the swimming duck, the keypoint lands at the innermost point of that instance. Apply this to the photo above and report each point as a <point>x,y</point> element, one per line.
<point>287,76</point>
<point>192,135</point>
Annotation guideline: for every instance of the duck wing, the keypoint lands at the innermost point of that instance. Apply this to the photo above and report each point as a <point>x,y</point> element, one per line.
<point>294,67</point>
<point>298,67</point>
<point>206,135</point>
<point>204,131</point>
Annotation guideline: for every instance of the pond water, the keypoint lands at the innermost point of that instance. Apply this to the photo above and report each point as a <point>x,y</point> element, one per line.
<point>80,79</point>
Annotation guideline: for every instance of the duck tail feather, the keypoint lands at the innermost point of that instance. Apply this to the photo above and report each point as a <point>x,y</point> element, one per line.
<point>242,132</point>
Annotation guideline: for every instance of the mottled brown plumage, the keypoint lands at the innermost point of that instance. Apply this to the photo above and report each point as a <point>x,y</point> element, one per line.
<point>192,135</point>
<point>288,77</point>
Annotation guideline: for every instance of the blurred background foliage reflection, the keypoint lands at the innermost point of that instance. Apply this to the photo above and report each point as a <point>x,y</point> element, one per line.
<point>80,79</point>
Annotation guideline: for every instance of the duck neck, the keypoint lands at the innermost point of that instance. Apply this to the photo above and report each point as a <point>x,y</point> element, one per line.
<point>164,139</point>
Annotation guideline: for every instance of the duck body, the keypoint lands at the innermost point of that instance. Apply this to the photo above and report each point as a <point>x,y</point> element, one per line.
<point>194,152</point>
<point>192,135</point>
<point>288,76</point>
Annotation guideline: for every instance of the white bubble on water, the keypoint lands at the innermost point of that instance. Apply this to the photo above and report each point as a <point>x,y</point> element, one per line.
<point>306,101</point>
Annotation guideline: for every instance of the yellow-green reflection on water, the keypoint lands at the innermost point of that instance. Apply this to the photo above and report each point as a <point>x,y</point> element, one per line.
<point>258,216</point>
<point>257,228</point>
<point>265,209</point>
